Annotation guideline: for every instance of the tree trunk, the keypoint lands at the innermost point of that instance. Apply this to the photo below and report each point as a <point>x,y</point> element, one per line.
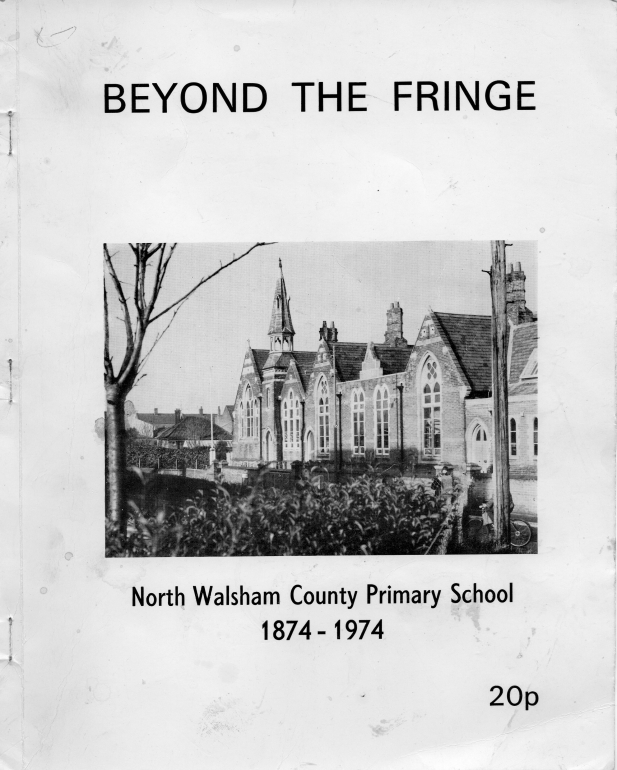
<point>115,449</point>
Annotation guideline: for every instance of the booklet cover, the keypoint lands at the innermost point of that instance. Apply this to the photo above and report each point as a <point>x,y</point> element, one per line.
<point>322,474</point>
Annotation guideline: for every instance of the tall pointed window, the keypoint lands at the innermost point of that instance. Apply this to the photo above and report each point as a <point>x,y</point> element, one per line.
<point>248,417</point>
<point>382,421</point>
<point>291,422</point>
<point>513,438</point>
<point>242,420</point>
<point>357,416</point>
<point>323,417</point>
<point>431,409</point>
<point>535,437</point>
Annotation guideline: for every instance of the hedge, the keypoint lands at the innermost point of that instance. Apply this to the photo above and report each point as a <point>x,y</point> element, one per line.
<point>366,515</point>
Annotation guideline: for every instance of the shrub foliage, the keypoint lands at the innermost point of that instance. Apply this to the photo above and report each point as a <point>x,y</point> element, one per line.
<point>366,515</point>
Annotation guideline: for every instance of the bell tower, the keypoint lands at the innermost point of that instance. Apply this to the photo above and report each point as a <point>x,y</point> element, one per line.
<point>281,331</point>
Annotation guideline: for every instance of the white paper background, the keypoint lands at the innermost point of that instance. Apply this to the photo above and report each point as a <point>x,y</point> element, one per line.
<point>106,685</point>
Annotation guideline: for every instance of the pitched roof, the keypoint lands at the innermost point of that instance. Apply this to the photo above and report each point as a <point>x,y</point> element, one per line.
<point>524,388</point>
<point>393,359</point>
<point>470,339</point>
<point>304,361</point>
<point>206,415</point>
<point>277,359</point>
<point>161,418</point>
<point>349,358</point>
<point>194,428</point>
<point>260,356</point>
<point>524,342</point>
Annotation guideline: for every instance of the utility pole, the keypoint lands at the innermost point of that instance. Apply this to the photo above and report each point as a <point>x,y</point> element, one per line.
<point>500,395</point>
<point>211,424</point>
<point>335,436</point>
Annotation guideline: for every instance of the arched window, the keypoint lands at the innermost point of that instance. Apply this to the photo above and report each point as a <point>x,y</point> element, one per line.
<point>291,421</point>
<point>249,413</point>
<point>480,448</point>
<point>357,417</point>
<point>242,421</point>
<point>310,446</point>
<point>323,417</point>
<point>431,409</point>
<point>382,421</point>
<point>513,443</point>
<point>267,398</point>
<point>535,437</point>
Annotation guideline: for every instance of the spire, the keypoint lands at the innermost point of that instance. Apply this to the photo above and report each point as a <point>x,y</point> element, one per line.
<point>281,331</point>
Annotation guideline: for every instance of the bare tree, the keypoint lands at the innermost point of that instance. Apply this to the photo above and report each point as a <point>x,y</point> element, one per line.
<point>137,300</point>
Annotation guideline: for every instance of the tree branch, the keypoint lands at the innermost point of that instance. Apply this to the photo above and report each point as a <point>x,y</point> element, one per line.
<point>158,337</point>
<point>130,342</point>
<point>161,269</point>
<point>205,279</point>
<point>135,250</point>
<point>109,370</point>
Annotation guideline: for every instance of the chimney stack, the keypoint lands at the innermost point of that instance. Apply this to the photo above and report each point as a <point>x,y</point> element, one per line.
<point>394,327</point>
<point>515,294</point>
<point>201,411</point>
<point>328,333</point>
<point>177,414</point>
<point>156,411</point>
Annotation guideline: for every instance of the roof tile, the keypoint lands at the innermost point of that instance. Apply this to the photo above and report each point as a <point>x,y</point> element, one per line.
<point>470,339</point>
<point>524,342</point>
<point>194,428</point>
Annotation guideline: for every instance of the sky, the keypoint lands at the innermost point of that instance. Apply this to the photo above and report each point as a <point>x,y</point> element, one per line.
<point>198,361</point>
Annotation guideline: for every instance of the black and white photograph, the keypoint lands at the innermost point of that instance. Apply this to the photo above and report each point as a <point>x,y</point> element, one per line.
<point>223,451</point>
<point>321,399</point>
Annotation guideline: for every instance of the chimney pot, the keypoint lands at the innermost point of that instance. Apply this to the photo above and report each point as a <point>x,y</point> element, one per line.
<point>518,267</point>
<point>156,411</point>
<point>510,267</point>
<point>201,410</point>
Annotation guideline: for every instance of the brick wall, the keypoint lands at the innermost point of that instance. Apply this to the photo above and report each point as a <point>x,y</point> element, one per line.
<point>246,449</point>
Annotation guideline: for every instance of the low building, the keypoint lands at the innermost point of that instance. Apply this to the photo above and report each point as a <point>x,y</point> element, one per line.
<point>195,431</point>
